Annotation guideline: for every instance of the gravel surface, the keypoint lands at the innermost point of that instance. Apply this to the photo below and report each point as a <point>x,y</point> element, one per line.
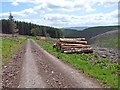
<point>30,77</point>
<point>39,69</point>
<point>56,74</point>
<point>11,71</point>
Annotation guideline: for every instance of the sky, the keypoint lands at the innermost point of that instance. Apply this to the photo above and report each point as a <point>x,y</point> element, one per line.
<point>62,13</point>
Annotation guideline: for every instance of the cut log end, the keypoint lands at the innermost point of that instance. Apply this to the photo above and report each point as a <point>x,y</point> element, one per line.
<point>73,45</point>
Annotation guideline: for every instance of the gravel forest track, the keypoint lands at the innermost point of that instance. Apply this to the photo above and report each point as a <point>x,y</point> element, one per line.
<point>42,70</point>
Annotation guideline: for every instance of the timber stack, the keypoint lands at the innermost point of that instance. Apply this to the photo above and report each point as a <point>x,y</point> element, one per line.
<point>73,45</point>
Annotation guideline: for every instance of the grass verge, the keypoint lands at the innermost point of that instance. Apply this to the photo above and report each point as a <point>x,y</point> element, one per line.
<point>10,46</point>
<point>90,64</point>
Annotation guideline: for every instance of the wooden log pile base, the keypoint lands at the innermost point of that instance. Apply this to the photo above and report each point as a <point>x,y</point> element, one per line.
<point>73,45</point>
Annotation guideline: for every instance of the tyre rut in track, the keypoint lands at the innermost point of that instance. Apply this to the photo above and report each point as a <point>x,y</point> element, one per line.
<point>56,74</point>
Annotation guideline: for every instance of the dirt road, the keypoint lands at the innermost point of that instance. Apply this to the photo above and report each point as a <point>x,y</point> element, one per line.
<point>42,70</point>
<point>30,77</point>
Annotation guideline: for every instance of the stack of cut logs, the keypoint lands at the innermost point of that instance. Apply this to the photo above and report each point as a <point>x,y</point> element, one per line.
<point>73,45</point>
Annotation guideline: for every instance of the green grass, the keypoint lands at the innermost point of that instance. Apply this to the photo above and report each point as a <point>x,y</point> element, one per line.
<point>10,46</point>
<point>89,63</point>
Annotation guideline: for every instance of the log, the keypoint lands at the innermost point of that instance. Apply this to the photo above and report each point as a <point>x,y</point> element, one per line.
<point>74,42</point>
<point>75,46</point>
<point>37,38</point>
<point>67,44</point>
<point>72,39</point>
<point>77,49</point>
<point>54,45</point>
<point>90,50</point>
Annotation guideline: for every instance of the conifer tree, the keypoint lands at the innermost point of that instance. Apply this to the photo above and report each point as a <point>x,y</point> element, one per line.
<point>12,25</point>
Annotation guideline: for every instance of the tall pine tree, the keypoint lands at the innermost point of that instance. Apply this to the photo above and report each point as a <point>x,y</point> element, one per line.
<point>12,25</point>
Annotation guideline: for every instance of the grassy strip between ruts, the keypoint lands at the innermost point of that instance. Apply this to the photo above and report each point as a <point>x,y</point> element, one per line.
<point>88,63</point>
<point>10,46</point>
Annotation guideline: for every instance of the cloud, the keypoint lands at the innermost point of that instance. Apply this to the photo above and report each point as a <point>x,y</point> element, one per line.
<point>14,3</point>
<point>62,20</point>
<point>17,14</point>
<point>65,5</point>
<point>108,3</point>
<point>42,8</point>
<point>23,13</point>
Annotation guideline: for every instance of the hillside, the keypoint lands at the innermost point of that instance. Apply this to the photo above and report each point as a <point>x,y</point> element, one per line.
<point>107,40</point>
<point>89,32</point>
<point>71,33</point>
<point>76,28</point>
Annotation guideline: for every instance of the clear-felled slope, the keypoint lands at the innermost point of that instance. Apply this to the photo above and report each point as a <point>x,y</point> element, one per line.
<point>107,40</point>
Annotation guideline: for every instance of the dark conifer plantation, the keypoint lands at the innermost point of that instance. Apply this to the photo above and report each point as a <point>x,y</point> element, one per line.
<point>25,29</point>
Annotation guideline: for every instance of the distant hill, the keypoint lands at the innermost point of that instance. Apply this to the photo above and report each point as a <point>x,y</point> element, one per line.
<point>76,28</point>
<point>89,32</point>
<point>107,40</point>
<point>70,33</point>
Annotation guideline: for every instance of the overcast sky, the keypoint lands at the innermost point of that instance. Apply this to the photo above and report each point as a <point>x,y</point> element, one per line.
<point>62,13</point>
